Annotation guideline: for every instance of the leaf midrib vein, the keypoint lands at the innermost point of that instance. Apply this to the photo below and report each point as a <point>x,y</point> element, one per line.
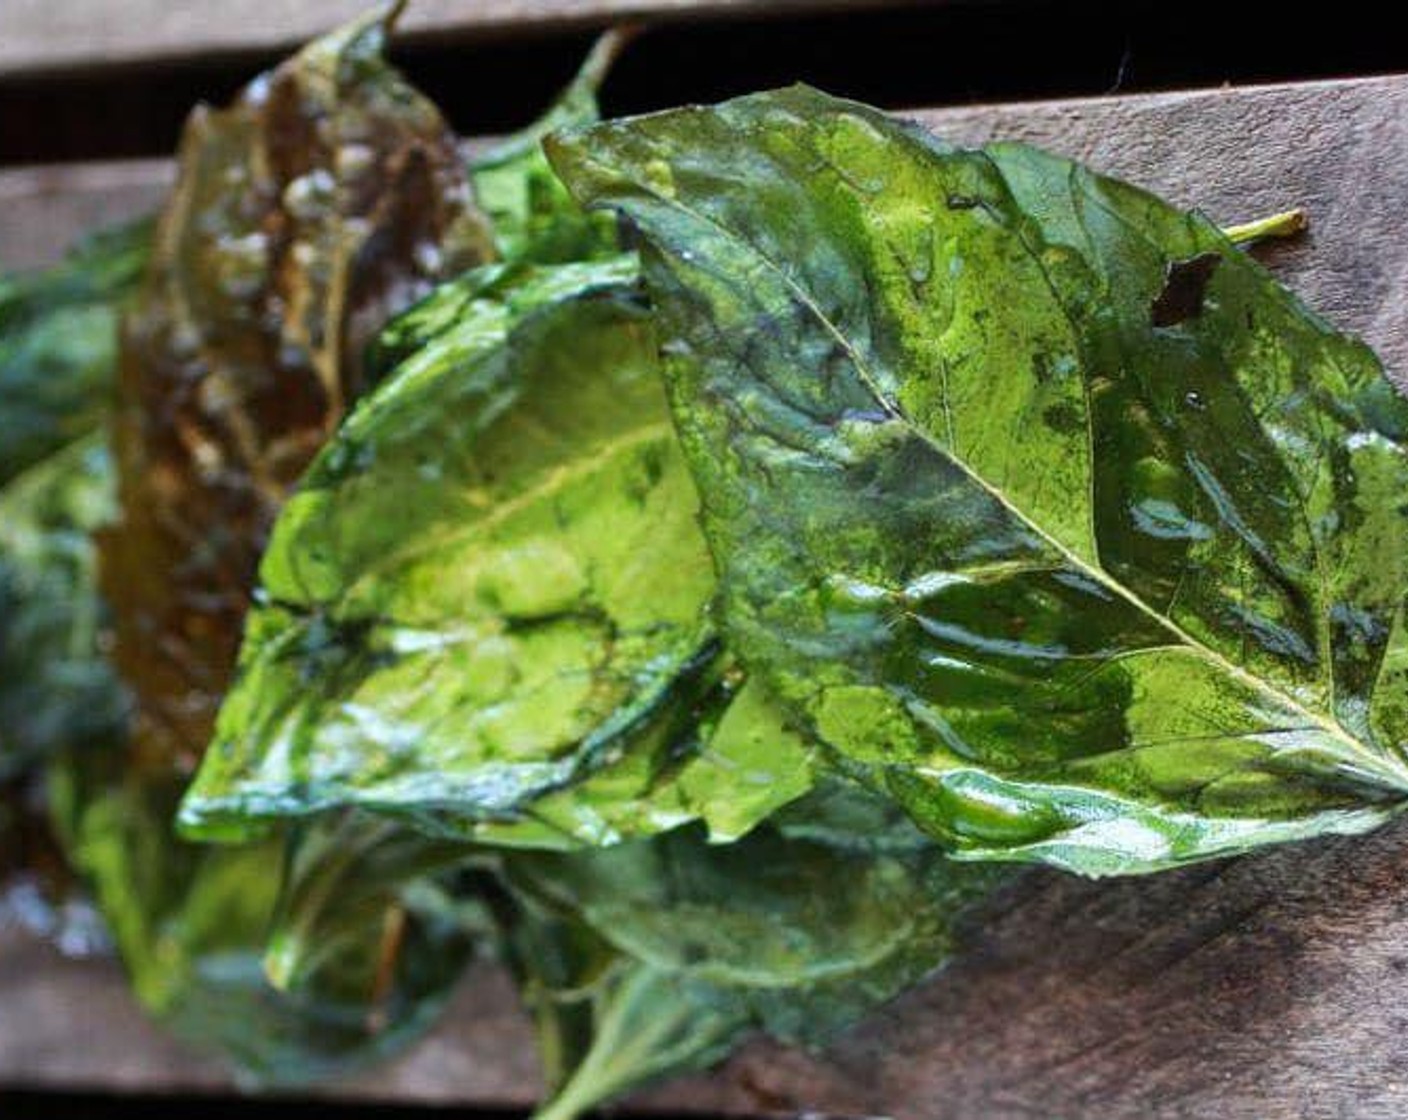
<point>553,481</point>
<point>1333,729</point>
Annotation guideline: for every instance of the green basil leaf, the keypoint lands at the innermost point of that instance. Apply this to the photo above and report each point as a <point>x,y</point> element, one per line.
<point>56,688</point>
<point>728,761</point>
<point>655,957</point>
<point>354,889</point>
<point>58,345</point>
<point>190,923</point>
<point>488,582</point>
<point>646,1023</point>
<point>749,765</point>
<point>561,966</point>
<point>762,916</point>
<point>836,815</point>
<point>1049,511</point>
<point>534,218</point>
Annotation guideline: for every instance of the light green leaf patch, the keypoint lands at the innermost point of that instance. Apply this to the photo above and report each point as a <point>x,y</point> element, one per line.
<point>489,581</point>
<point>729,761</point>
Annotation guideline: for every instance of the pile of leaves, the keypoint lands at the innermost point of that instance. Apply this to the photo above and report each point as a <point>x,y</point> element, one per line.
<point>691,557</point>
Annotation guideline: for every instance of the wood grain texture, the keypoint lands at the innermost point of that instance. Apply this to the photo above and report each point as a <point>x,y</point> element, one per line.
<point>1270,986</point>
<point>42,209</point>
<point>43,36</point>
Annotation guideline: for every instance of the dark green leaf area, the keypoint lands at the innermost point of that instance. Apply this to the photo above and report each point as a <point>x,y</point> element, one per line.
<point>727,759</point>
<point>190,924</point>
<point>809,933</point>
<point>56,689</point>
<point>1072,585</point>
<point>560,966</point>
<point>605,1022</point>
<point>58,344</point>
<point>360,899</point>
<point>490,578</point>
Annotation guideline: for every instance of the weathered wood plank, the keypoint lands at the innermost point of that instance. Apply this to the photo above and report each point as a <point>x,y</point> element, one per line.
<point>1264,987</point>
<point>38,36</point>
<point>42,209</point>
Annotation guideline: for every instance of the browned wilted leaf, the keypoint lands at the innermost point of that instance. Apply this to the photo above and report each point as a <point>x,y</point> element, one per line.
<point>327,197</point>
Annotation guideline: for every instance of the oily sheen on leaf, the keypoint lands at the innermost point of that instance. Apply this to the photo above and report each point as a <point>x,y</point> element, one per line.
<point>1041,504</point>
<point>489,581</point>
<point>728,760</point>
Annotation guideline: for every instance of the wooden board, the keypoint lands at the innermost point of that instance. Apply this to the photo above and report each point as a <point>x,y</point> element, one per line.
<point>42,209</point>
<point>42,36</point>
<point>1265,987</point>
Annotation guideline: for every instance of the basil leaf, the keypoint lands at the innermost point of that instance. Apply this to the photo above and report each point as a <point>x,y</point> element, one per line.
<point>763,914</point>
<point>728,761</point>
<point>58,341</point>
<point>373,918</point>
<point>636,794</point>
<point>327,197</point>
<point>489,581</point>
<point>646,1023</point>
<point>749,765</point>
<point>190,924</point>
<point>56,688</point>
<point>607,1024</point>
<point>715,940</point>
<point>534,218</point>
<point>561,966</point>
<point>1044,507</point>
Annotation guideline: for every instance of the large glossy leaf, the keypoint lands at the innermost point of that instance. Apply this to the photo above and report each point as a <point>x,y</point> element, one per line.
<point>490,580</point>
<point>1041,504</point>
<point>329,196</point>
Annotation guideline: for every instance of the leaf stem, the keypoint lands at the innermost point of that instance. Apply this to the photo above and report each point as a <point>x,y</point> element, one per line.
<point>1288,223</point>
<point>604,53</point>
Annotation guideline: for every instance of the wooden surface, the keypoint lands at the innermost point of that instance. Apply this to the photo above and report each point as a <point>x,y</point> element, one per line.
<point>1265,987</point>
<point>39,36</point>
<point>42,208</point>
